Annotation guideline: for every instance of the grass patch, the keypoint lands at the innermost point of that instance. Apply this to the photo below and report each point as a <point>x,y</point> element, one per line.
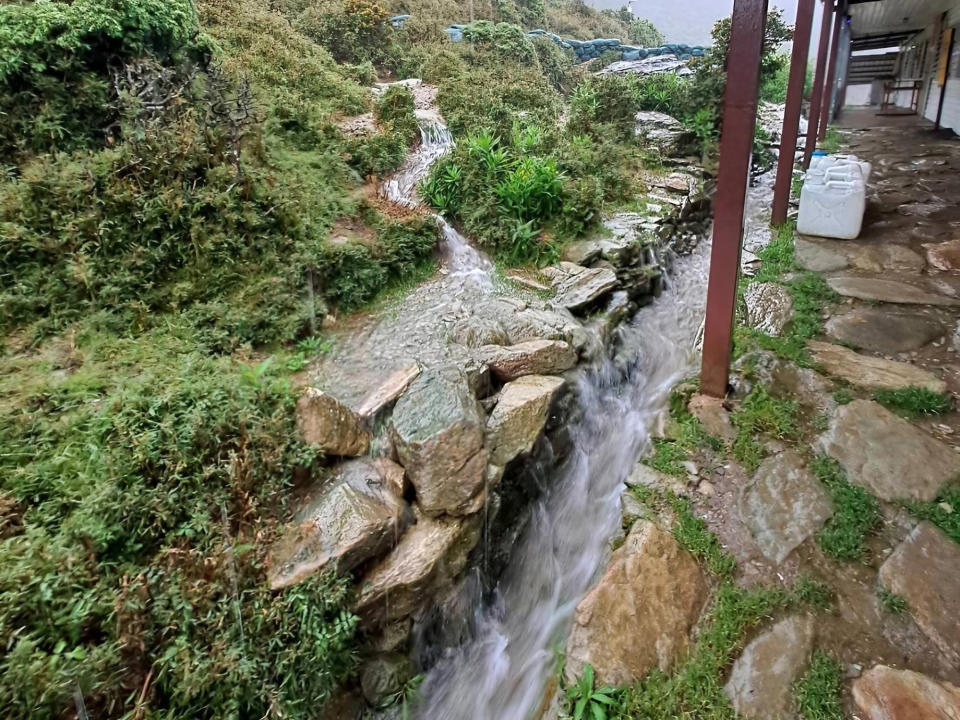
<point>819,693</point>
<point>856,513</point>
<point>832,143</point>
<point>916,402</point>
<point>844,396</point>
<point>891,602</point>
<point>761,414</point>
<point>944,512</point>
<point>686,434</point>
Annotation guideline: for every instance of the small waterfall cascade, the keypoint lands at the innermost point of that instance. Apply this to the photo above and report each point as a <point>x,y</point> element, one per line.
<point>502,672</point>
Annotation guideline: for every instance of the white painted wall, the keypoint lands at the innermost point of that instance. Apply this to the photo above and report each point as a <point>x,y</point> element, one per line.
<point>951,103</point>
<point>858,95</point>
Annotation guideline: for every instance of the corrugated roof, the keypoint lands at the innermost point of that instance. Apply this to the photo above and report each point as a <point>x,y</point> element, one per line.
<point>888,16</point>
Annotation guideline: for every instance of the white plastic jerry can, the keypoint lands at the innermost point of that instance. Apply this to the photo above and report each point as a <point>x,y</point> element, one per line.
<point>833,204</point>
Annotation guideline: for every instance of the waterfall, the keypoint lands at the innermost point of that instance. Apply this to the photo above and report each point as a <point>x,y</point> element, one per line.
<point>502,673</point>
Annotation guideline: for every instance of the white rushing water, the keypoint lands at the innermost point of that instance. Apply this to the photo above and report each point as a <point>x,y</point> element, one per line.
<point>502,673</point>
<point>460,257</point>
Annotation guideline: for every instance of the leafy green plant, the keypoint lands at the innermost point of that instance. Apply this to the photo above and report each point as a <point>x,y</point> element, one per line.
<point>819,693</point>
<point>761,414</point>
<point>588,703</point>
<point>856,513</point>
<point>916,402</point>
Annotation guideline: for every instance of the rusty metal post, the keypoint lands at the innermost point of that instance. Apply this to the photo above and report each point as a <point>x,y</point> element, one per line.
<point>816,95</point>
<point>826,107</point>
<point>733,176</point>
<point>791,116</point>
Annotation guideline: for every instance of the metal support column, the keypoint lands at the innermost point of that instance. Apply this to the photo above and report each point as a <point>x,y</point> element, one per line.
<point>816,95</point>
<point>791,116</point>
<point>826,106</point>
<point>733,176</point>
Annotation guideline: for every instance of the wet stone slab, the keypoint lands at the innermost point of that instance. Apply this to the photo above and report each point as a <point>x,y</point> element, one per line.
<point>872,372</point>
<point>883,331</point>
<point>891,291</point>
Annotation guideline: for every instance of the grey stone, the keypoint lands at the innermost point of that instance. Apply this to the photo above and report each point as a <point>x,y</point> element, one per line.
<point>944,256</point>
<point>660,131</point>
<point>886,454</point>
<point>646,477</point>
<point>783,505</point>
<point>883,331</point>
<point>533,357</point>
<point>437,428</point>
<point>392,388</point>
<point>344,521</point>
<point>383,676</point>
<point>713,416</point>
<point>872,372</point>
<point>520,416</point>
<point>883,693</point>
<point>815,256</point>
<point>534,324</point>
<point>428,558</point>
<point>581,252</point>
<point>924,571</point>
<point>329,425</point>
<point>892,291</point>
<point>762,678</point>
<point>769,307</point>
<point>580,288</point>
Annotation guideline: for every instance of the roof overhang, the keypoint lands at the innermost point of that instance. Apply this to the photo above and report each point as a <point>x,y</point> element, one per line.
<point>887,20</point>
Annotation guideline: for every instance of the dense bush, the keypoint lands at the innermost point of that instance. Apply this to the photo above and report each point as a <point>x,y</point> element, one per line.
<point>355,31</point>
<point>504,42</point>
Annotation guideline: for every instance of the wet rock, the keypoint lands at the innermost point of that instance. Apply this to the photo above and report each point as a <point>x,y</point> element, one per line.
<point>426,561</point>
<point>924,570</point>
<point>761,682</point>
<point>581,252</point>
<point>645,476</point>
<point>383,676</point>
<point>883,693</point>
<point>331,426</point>
<point>713,416</point>
<point>345,520</point>
<point>872,372</point>
<point>815,256</point>
<point>883,331</point>
<point>631,509</point>
<point>437,428</point>
<point>534,357</point>
<point>886,454</point>
<point>782,379</point>
<point>579,288</point>
<point>533,324</point>
<point>944,256</point>
<point>783,505</point>
<point>520,416</point>
<point>476,331</point>
<point>769,307</point>
<point>640,613</point>
<point>892,291</point>
<point>661,131</point>
<point>392,388</point>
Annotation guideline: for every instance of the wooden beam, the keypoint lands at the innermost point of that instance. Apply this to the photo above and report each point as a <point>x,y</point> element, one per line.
<point>733,176</point>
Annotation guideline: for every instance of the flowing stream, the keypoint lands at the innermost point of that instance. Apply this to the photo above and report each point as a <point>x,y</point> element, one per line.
<point>502,673</point>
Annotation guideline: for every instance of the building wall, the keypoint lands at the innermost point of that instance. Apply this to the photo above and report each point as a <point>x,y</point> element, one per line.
<point>923,63</point>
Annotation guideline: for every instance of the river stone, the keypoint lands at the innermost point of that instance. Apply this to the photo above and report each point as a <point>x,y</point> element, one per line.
<point>659,130</point>
<point>326,423</point>
<point>428,558</point>
<point>383,676</point>
<point>344,521</point>
<point>640,613</point>
<point>816,256</point>
<point>883,693</point>
<point>872,372</point>
<point>891,291</point>
<point>437,428</point>
<point>580,288</point>
<point>943,256</point>
<point>534,357</point>
<point>761,681</point>
<point>645,476</point>
<point>534,324</point>
<point>886,454</point>
<point>392,388</point>
<point>769,307</point>
<point>520,416</point>
<point>925,570</point>
<point>884,332</point>
<point>581,252</point>
<point>783,505</point>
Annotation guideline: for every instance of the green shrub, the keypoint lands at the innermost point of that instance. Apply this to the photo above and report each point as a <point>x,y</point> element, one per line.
<point>503,42</point>
<point>556,64</point>
<point>395,110</point>
<point>356,31</point>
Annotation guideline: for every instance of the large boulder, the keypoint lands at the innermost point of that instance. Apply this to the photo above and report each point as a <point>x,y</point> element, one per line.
<point>331,426</point>
<point>428,558</point>
<point>886,454</point>
<point>520,416</point>
<point>761,681</point>
<point>389,390</point>
<point>661,131</point>
<point>872,372</point>
<point>346,519</point>
<point>437,428</point>
<point>883,693</point>
<point>783,505</point>
<point>534,357</point>
<point>535,324</point>
<point>925,571</point>
<point>640,613</point>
